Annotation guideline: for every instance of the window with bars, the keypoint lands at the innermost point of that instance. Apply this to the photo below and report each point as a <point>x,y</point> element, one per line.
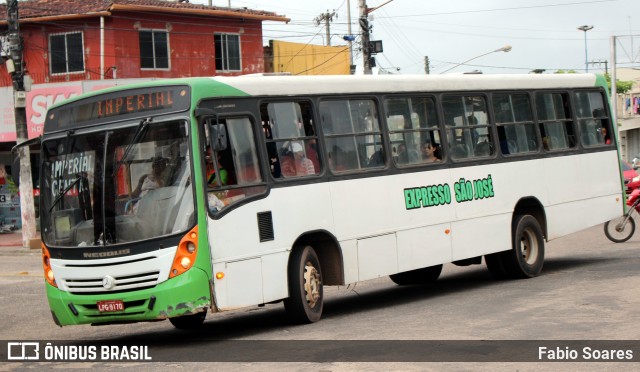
<point>66,53</point>
<point>154,49</point>
<point>227,52</point>
<point>514,119</point>
<point>352,134</point>
<point>555,122</point>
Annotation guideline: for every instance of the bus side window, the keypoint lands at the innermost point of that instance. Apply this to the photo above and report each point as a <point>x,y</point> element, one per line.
<point>226,174</point>
<point>413,125</point>
<point>240,160</point>
<point>351,133</point>
<point>592,119</point>
<point>554,119</point>
<point>514,120</point>
<point>468,132</point>
<point>290,137</point>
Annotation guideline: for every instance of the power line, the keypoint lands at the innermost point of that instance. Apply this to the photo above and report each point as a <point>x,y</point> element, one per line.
<point>504,9</point>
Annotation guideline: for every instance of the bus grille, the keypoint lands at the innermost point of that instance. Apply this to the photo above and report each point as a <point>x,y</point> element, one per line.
<point>122,283</point>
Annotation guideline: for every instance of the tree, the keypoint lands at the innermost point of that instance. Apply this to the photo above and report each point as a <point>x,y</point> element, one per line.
<point>621,86</point>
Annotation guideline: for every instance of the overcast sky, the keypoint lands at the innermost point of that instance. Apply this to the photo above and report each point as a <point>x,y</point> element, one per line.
<point>543,34</point>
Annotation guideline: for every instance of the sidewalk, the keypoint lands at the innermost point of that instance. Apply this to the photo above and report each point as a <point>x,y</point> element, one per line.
<point>13,240</point>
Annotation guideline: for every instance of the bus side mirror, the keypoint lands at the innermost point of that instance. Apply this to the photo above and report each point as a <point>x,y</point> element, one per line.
<point>15,170</point>
<point>15,164</point>
<point>218,137</point>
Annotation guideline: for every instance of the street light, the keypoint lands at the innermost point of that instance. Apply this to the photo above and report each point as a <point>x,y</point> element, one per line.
<point>505,49</point>
<point>585,28</point>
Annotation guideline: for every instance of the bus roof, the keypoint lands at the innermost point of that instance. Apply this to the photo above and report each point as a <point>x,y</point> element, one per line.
<point>286,85</point>
<point>310,85</point>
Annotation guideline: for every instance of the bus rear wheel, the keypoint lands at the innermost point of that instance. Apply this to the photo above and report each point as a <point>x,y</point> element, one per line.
<point>526,257</point>
<point>420,276</point>
<point>192,321</point>
<point>305,301</point>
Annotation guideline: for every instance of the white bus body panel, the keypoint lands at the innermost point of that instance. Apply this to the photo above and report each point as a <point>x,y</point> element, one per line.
<point>377,256</point>
<point>256,272</point>
<point>379,236</point>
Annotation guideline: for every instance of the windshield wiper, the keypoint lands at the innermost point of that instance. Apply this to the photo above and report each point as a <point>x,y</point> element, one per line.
<point>137,136</point>
<point>79,176</point>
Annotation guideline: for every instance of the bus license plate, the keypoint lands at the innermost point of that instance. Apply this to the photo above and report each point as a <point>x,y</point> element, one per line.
<point>110,306</point>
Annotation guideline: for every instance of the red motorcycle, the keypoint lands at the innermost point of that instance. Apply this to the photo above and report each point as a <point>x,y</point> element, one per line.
<point>621,229</point>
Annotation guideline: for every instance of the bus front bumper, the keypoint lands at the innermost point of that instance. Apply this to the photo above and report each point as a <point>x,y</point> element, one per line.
<point>185,294</point>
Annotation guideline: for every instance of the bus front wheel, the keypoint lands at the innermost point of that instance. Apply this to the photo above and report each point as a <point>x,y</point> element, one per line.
<point>305,301</point>
<point>526,257</point>
<point>191,321</point>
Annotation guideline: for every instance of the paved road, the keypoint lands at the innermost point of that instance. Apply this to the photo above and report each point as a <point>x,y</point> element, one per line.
<point>589,290</point>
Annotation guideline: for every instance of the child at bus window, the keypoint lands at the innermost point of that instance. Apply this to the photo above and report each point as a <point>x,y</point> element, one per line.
<point>603,133</point>
<point>429,152</point>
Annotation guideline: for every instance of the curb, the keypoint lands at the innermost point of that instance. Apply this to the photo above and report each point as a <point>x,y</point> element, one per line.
<point>14,240</point>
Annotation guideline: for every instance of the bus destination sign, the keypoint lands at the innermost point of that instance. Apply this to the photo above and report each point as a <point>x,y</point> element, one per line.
<point>134,103</point>
<point>121,105</point>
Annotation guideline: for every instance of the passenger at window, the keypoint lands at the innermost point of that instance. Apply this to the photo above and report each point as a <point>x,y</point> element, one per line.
<point>295,163</point>
<point>403,155</point>
<point>429,152</point>
<point>603,132</point>
<point>312,154</point>
<point>211,170</point>
<point>153,180</point>
<point>377,159</point>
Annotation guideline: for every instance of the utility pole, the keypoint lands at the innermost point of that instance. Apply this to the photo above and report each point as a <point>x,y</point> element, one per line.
<point>326,18</point>
<point>600,62</point>
<point>364,29</point>
<point>349,32</point>
<point>427,69</point>
<point>15,66</point>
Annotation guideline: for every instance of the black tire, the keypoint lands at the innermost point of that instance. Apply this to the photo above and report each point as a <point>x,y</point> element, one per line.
<point>419,276</point>
<point>611,229</point>
<point>526,257</point>
<point>495,265</point>
<point>192,321</point>
<point>306,297</point>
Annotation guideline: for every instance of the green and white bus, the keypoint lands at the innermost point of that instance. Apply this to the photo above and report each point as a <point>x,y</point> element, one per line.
<point>171,199</point>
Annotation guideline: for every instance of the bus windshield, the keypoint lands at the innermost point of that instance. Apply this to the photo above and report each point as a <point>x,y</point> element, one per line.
<point>118,186</point>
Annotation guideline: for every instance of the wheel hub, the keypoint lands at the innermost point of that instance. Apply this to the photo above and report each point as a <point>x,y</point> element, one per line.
<point>528,246</point>
<point>311,284</point>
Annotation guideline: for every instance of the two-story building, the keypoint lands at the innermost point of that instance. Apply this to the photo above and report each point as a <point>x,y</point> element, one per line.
<point>75,46</point>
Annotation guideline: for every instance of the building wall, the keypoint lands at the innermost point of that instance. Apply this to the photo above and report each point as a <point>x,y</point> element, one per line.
<point>305,59</point>
<point>191,53</point>
<point>191,45</point>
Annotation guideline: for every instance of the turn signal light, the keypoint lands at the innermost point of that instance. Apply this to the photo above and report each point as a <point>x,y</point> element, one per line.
<point>46,265</point>
<point>185,254</point>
